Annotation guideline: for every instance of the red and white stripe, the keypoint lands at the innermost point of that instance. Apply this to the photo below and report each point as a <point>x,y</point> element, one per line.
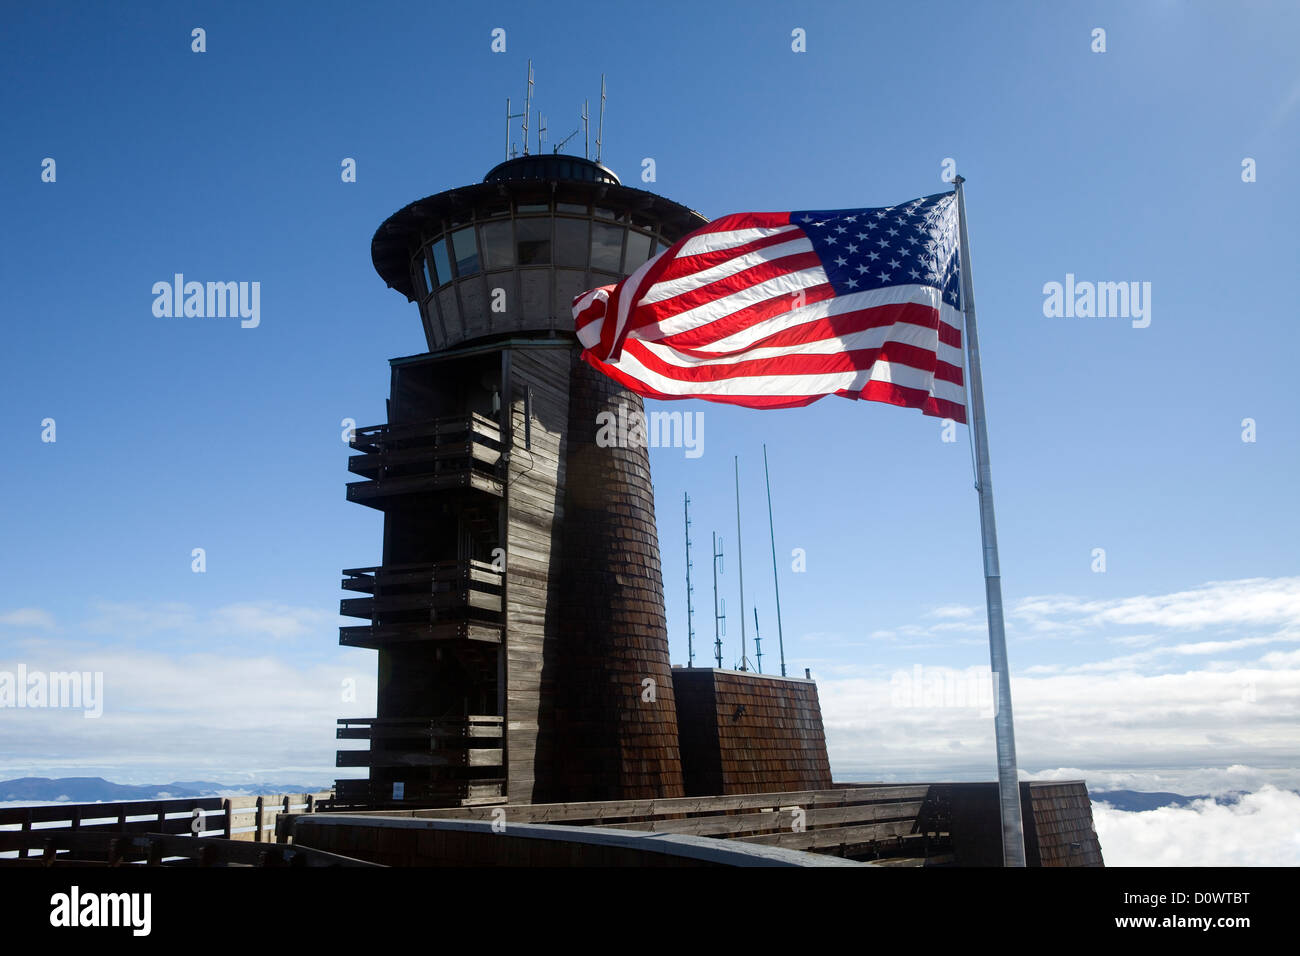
<point>741,311</point>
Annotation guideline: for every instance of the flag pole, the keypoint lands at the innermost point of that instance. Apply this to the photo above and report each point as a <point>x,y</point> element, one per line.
<point>776,580</point>
<point>1013,839</point>
<point>740,561</point>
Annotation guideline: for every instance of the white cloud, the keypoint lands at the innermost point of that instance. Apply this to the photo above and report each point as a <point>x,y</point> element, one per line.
<point>185,715</point>
<point>277,621</point>
<point>140,619</point>
<point>1243,713</point>
<point>262,619</point>
<point>30,617</point>
<point>1250,601</point>
<point>1259,830</point>
<point>954,610</point>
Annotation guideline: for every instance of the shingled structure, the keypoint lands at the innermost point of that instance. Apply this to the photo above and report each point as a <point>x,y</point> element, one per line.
<point>743,732</point>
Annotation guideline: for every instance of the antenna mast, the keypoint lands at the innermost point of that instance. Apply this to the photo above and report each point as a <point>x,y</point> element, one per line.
<point>586,130</point>
<point>560,145</point>
<point>758,642</point>
<point>528,105</point>
<point>509,140</point>
<point>690,591</point>
<point>600,134</point>
<point>718,617</point>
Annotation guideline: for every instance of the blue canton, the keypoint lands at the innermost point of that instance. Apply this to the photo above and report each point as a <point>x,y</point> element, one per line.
<point>911,244</point>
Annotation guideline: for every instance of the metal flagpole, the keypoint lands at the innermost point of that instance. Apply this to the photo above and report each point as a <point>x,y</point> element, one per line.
<point>740,562</point>
<point>776,581</point>
<point>690,589</point>
<point>1013,838</point>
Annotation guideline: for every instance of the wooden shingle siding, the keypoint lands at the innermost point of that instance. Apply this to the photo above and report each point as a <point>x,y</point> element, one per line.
<point>749,733</point>
<point>611,744</point>
<point>1062,821</point>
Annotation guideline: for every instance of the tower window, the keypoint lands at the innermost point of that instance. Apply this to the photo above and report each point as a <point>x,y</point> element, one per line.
<point>638,250</point>
<point>533,241</point>
<point>571,242</point>
<point>498,249</point>
<point>465,248</point>
<point>606,246</point>
<point>441,265</point>
<point>429,283</point>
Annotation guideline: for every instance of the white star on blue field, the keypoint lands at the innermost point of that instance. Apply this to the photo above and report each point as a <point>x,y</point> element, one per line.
<point>910,244</point>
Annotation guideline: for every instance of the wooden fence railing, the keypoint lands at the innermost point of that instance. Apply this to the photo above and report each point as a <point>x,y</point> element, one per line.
<point>232,818</point>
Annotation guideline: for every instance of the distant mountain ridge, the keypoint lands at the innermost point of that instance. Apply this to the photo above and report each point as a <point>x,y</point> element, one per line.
<point>97,789</point>
<point>1138,800</point>
<point>1135,801</point>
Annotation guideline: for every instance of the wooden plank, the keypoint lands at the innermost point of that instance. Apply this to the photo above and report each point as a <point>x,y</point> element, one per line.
<point>621,809</point>
<point>79,847</point>
<point>833,836</point>
<point>480,757</point>
<point>784,819</point>
<point>64,812</point>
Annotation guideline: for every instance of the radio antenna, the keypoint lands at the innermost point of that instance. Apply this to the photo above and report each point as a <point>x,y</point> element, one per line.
<point>556,149</point>
<point>510,151</point>
<point>600,128</point>
<point>586,130</point>
<point>690,592</point>
<point>719,607</point>
<point>528,105</point>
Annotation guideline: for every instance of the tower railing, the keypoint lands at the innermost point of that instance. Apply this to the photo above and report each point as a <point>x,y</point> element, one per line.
<point>458,451</point>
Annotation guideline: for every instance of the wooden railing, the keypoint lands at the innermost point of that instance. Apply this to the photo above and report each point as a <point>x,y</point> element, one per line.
<point>462,451</point>
<point>82,848</point>
<point>444,585</point>
<point>233,818</point>
<point>473,741</point>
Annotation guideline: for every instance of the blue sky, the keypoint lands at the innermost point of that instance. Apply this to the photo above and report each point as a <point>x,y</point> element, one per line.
<point>175,434</point>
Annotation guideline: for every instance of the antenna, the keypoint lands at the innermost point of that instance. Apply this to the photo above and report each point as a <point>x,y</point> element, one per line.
<point>541,130</point>
<point>740,551</point>
<point>690,591</point>
<point>509,141</point>
<point>586,130</point>
<point>758,643</point>
<point>556,149</point>
<point>600,134</point>
<point>718,618</point>
<point>528,105</point>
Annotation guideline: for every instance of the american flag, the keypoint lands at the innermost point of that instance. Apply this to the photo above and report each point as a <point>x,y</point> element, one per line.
<point>779,309</point>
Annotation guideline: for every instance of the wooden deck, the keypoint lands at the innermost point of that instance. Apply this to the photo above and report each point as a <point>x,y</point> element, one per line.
<point>897,825</point>
<point>875,822</point>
